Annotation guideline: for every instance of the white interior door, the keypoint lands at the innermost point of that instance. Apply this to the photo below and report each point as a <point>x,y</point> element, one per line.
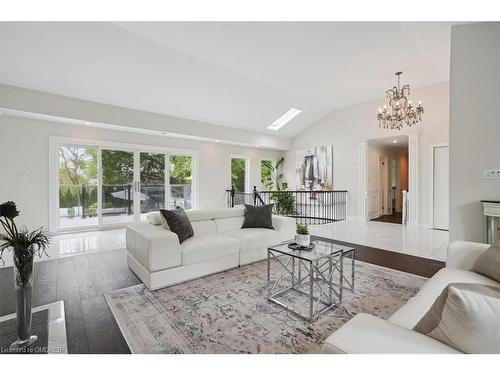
<point>440,188</point>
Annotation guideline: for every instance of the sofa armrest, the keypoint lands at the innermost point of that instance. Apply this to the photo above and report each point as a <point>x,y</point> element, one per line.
<point>286,227</point>
<point>153,247</point>
<point>367,334</point>
<point>463,254</point>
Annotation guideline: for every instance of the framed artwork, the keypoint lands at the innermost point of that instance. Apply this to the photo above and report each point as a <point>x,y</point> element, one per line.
<point>314,168</point>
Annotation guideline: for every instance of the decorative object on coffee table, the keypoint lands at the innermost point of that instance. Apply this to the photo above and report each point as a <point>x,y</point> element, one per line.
<point>302,238</point>
<point>295,246</point>
<point>24,245</point>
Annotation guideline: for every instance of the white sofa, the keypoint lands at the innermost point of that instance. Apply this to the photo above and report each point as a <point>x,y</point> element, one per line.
<point>366,334</point>
<point>156,257</point>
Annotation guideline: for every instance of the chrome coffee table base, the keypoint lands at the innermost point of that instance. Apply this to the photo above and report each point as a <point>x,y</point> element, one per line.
<point>318,276</point>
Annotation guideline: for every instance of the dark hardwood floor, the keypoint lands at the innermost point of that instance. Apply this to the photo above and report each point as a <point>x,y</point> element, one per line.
<point>395,218</point>
<point>81,282</point>
<point>398,261</point>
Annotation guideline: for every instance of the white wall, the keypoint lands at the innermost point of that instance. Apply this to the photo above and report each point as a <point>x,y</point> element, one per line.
<point>474,126</point>
<point>346,127</point>
<point>24,162</point>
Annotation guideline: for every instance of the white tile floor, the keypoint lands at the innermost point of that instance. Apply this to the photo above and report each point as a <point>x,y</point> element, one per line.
<point>426,243</point>
<point>78,243</point>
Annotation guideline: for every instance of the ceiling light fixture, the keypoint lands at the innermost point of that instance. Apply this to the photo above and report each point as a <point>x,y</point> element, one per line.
<point>88,123</point>
<point>395,141</point>
<point>283,120</point>
<point>401,111</point>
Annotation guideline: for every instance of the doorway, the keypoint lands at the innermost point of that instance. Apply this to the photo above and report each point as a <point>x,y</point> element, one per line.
<point>387,177</point>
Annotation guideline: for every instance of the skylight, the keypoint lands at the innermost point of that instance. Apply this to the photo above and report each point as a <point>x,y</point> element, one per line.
<point>279,123</point>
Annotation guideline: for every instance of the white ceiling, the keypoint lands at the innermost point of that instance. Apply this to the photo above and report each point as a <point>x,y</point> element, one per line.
<point>236,74</point>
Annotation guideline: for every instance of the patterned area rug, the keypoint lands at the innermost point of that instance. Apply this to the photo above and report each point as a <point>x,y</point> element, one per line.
<point>228,312</point>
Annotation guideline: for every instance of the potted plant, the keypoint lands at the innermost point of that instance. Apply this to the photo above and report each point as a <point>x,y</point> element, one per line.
<point>24,245</point>
<point>302,238</point>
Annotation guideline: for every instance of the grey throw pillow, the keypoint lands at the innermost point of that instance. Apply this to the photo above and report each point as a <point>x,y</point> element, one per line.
<point>178,223</point>
<point>488,264</point>
<point>258,216</point>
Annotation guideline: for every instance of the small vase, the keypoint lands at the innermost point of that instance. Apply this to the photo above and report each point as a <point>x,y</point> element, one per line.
<point>303,240</point>
<point>23,279</point>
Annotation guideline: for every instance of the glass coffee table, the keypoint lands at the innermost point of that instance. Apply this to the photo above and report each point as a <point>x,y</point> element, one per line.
<point>308,283</point>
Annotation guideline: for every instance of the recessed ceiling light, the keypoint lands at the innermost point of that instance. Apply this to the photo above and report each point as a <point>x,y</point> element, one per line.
<point>88,123</point>
<point>279,123</point>
<point>395,141</point>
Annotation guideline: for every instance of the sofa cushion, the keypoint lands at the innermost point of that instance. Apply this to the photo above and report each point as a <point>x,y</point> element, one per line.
<point>229,223</point>
<point>199,215</point>
<point>410,313</point>
<point>254,238</point>
<point>204,227</point>
<point>488,264</point>
<point>208,247</point>
<point>178,223</point>
<point>445,276</point>
<point>228,212</point>
<point>258,216</point>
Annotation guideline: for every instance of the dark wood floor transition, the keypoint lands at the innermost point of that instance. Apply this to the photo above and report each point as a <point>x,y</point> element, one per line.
<point>395,218</point>
<point>81,282</point>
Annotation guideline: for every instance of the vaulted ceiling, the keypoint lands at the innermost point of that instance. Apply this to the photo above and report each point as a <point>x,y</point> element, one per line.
<point>235,74</point>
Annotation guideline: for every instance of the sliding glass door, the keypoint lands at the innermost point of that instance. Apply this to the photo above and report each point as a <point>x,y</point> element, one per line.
<point>100,186</point>
<point>181,181</point>
<point>117,187</point>
<point>152,182</point>
<point>77,186</point>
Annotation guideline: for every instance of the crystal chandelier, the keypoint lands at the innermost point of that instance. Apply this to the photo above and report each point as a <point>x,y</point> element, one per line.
<point>401,111</point>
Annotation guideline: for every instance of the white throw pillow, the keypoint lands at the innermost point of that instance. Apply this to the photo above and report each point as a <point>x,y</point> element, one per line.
<point>470,322</point>
<point>164,223</point>
<point>154,218</point>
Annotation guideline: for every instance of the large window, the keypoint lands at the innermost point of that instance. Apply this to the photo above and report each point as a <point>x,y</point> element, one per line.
<point>266,167</point>
<point>101,185</point>
<point>239,174</point>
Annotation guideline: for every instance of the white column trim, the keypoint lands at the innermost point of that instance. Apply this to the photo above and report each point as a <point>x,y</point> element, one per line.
<point>413,172</point>
<point>362,181</point>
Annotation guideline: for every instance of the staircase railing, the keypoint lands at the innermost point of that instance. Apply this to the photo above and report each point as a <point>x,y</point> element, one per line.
<point>308,207</point>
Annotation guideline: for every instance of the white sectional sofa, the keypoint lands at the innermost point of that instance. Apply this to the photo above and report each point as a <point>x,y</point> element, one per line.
<point>156,257</point>
<point>366,334</point>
